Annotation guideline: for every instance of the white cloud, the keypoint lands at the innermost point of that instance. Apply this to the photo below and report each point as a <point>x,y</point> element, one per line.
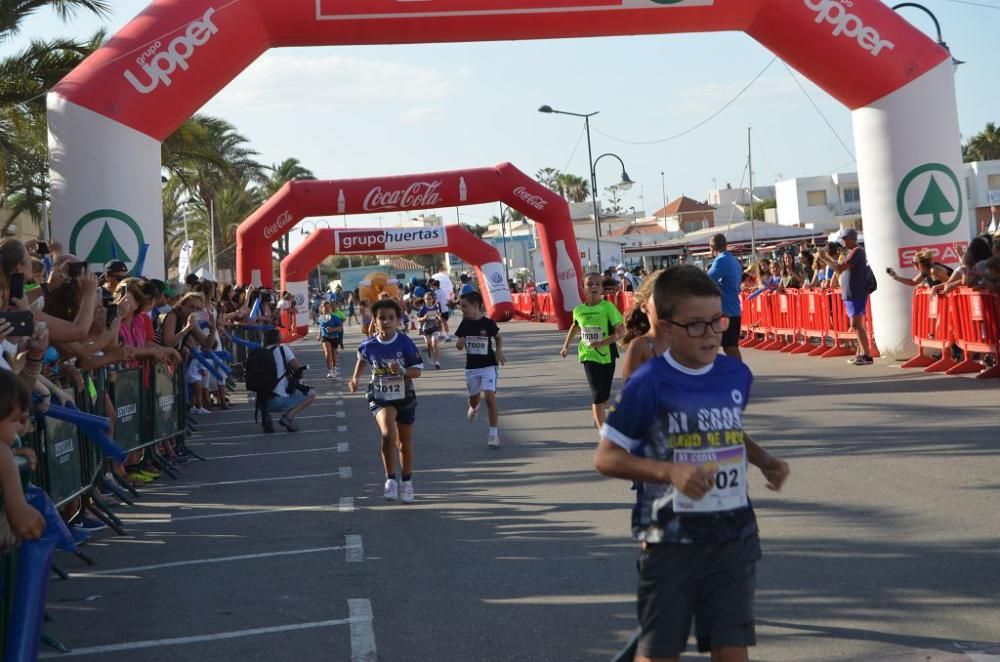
<point>281,82</point>
<point>419,114</point>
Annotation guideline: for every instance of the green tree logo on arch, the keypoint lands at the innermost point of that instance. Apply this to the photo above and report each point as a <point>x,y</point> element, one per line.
<point>930,201</point>
<point>104,235</point>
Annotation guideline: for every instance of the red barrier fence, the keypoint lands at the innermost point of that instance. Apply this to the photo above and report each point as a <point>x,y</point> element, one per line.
<point>814,322</point>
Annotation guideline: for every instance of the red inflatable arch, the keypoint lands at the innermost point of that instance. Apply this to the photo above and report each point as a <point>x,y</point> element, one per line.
<point>116,107</point>
<point>455,239</point>
<point>504,183</point>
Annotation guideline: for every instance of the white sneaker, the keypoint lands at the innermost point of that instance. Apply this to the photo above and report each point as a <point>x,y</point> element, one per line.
<point>493,441</point>
<point>407,494</point>
<point>392,490</point>
<point>472,413</point>
<point>329,374</point>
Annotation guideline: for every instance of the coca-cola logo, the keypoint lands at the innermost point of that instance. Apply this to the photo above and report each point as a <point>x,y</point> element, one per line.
<point>531,199</point>
<point>417,194</point>
<point>280,223</point>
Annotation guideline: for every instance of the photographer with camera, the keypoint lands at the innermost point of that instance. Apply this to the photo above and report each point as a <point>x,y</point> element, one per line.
<point>274,374</point>
<point>853,272</point>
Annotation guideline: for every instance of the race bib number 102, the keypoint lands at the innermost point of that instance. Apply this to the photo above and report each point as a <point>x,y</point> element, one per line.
<point>730,491</point>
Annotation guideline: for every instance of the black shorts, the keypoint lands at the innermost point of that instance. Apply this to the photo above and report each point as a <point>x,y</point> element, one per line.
<point>731,338</point>
<point>599,377</point>
<point>336,342</point>
<point>445,315</point>
<point>712,583</point>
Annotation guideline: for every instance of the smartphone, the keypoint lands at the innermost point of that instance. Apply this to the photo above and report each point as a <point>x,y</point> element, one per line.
<point>16,286</point>
<point>43,248</point>
<point>888,270</point>
<point>22,321</point>
<point>112,313</point>
<point>76,269</point>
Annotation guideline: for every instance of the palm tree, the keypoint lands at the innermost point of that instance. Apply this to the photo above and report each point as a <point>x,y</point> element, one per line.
<point>573,188</point>
<point>13,12</point>
<point>549,178</point>
<point>984,146</point>
<point>24,79</point>
<point>289,170</point>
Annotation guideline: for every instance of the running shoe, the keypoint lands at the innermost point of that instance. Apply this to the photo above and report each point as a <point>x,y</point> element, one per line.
<point>392,489</point>
<point>472,413</point>
<point>289,423</point>
<point>493,441</point>
<point>861,360</point>
<point>437,366</point>
<point>406,496</point>
<point>89,524</point>
<point>329,374</point>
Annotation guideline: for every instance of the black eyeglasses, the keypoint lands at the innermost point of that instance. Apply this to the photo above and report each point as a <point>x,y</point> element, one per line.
<point>699,329</point>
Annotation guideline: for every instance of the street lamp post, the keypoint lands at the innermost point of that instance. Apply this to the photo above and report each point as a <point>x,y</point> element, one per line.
<point>626,183</point>
<point>503,236</point>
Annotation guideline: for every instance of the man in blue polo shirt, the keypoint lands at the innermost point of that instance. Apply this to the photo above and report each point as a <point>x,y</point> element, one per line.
<point>727,271</point>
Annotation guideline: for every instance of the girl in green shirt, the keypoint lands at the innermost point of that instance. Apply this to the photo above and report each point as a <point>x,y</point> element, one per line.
<point>600,324</point>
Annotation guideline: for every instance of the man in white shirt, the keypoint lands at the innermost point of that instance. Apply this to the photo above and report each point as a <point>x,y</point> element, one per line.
<point>287,366</point>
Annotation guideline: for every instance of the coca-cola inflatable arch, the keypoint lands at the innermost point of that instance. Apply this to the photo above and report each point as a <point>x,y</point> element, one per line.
<point>455,239</point>
<point>108,117</point>
<point>502,183</point>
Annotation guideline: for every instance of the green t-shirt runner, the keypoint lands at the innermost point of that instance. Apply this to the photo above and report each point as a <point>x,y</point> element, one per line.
<point>596,323</point>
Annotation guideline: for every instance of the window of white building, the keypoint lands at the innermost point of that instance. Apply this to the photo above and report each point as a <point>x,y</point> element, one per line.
<point>816,198</point>
<point>993,182</point>
<point>852,195</point>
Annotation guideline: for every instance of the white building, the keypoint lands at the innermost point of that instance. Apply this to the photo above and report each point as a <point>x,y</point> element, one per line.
<point>825,202</point>
<point>423,221</point>
<point>982,183</point>
<point>733,204</point>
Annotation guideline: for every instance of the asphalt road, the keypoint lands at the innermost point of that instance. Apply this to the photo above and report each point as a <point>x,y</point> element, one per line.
<point>884,545</point>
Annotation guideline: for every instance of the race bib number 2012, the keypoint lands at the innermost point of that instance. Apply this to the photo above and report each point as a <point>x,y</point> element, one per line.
<point>730,490</point>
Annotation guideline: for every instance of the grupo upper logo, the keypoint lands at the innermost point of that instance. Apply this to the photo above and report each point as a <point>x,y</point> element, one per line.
<point>417,194</point>
<point>280,223</point>
<point>837,13</point>
<point>531,199</point>
<point>157,64</point>
<point>104,235</point>
<point>929,200</point>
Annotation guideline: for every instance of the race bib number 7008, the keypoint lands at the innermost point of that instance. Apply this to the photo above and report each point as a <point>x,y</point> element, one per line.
<point>477,345</point>
<point>730,490</point>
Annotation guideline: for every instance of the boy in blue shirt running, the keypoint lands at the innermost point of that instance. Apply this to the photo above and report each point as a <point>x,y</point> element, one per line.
<point>395,362</point>
<point>677,430</point>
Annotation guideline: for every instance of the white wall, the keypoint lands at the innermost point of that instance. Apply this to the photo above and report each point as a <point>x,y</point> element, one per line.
<point>978,176</point>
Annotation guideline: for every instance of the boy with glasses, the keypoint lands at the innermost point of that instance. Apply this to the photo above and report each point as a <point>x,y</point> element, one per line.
<point>677,430</point>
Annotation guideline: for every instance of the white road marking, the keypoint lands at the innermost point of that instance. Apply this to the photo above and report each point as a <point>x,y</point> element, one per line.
<point>242,482</point>
<point>340,414</point>
<point>297,418</point>
<point>345,472</point>
<point>339,403</point>
<point>303,450</point>
<point>341,428</point>
<point>218,636</point>
<point>343,447</point>
<point>355,550</point>
<point>362,631</point>
<point>221,559</point>
<point>346,504</point>
<point>242,513</point>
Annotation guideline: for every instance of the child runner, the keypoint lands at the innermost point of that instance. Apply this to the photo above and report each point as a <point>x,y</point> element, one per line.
<point>677,429</point>
<point>395,362</point>
<point>429,318</point>
<point>641,340</point>
<point>331,333</point>
<point>600,326</point>
<point>474,335</point>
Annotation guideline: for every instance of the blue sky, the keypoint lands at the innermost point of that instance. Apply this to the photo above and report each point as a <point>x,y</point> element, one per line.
<point>366,111</point>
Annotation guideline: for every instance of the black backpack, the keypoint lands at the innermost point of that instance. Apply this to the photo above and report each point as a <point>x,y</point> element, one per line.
<point>870,283</point>
<point>262,374</point>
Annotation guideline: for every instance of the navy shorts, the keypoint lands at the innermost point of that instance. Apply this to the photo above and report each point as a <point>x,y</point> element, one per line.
<point>710,583</point>
<point>406,410</point>
<point>731,336</point>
